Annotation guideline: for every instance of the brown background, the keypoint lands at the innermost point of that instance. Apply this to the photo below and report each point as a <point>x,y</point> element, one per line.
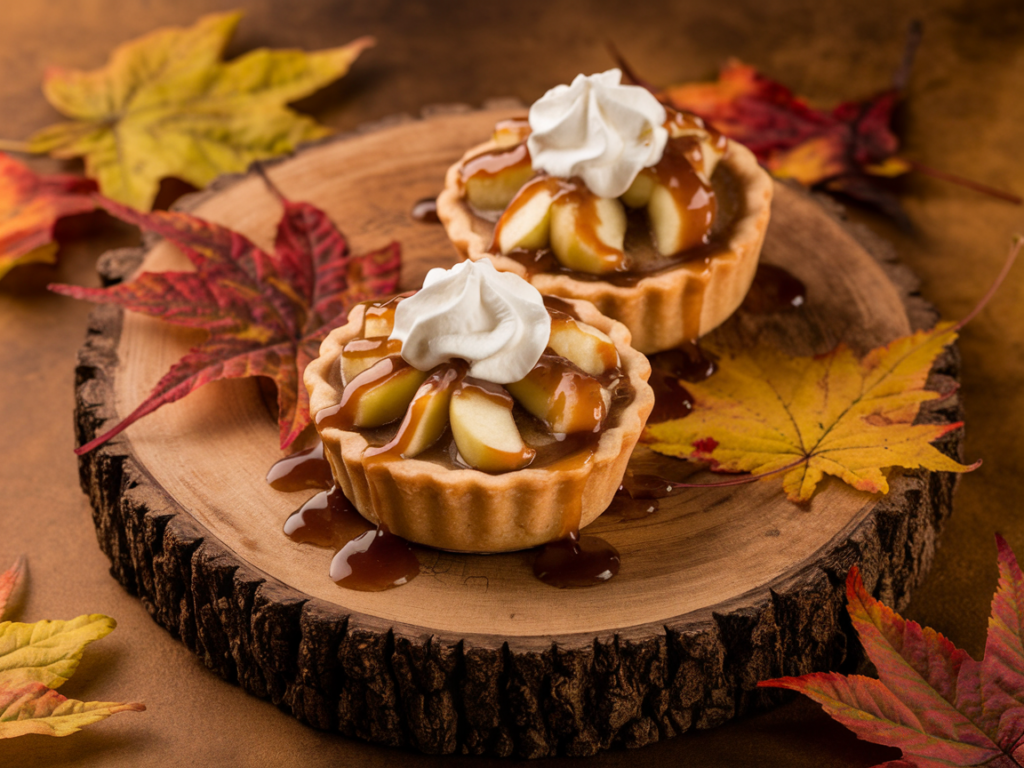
<point>964,114</point>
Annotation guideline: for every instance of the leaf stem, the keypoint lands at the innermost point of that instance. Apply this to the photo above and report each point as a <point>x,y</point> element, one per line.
<point>627,70</point>
<point>262,172</point>
<point>21,147</point>
<point>1018,240</point>
<point>961,181</point>
<point>741,480</point>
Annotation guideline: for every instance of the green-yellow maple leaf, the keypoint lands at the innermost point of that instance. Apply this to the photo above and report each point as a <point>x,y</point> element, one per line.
<point>36,658</point>
<point>167,105</point>
<point>764,411</point>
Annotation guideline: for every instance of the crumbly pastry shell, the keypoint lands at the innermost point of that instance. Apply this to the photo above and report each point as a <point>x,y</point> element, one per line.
<point>467,510</point>
<point>664,309</point>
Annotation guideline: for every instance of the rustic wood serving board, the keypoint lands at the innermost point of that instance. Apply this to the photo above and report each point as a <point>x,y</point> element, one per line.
<point>718,589</point>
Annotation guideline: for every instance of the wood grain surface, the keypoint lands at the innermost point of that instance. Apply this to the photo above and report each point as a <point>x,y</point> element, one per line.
<point>963,114</point>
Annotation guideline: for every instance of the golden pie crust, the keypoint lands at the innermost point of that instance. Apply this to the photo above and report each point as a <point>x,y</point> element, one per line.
<point>467,510</point>
<point>666,308</point>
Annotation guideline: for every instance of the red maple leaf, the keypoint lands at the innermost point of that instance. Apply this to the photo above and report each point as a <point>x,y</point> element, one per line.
<point>30,206</point>
<point>931,699</point>
<point>839,149</point>
<point>266,314</point>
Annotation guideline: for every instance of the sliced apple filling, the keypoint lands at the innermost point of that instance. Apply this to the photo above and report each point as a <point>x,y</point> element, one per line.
<point>569,391</point>
<point>585,232</point>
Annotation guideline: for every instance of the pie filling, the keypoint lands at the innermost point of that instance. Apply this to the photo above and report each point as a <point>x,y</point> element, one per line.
<point>679,210</point>
<point>551,419</point>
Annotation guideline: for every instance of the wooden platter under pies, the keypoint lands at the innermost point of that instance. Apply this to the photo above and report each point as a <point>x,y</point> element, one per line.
<point>718,589</point>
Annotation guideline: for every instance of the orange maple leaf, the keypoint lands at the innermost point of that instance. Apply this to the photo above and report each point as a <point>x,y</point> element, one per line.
<point>30,206</point>
<point>764,412</point>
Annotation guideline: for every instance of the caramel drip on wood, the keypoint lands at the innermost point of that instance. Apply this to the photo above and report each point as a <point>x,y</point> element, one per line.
<point>576,561</point>
<point>301,471</point>
<point>425,211</point>
<point>366,559</point>
<point>326,520</point>
<point>774,290</point>
<point>375,561</point>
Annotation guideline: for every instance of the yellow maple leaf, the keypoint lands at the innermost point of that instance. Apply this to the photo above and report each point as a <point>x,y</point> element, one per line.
<point>166,105</point>
<point>35,659</point>
<point>764,411</point>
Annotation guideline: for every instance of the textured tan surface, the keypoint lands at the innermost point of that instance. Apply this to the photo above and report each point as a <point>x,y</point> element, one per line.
<point>965,115</point>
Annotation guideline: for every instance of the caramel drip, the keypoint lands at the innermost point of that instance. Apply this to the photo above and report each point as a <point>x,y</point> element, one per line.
<point>687,361</point>
<point>675,171</point>
<point>372,348</point>
<point>366,559</point>
<point>574,561</point>
<point>425,211</point>
<point>381,314</point>
<point>326,520</point>
<point>491,164</point>
<point>564,192</point>
<point>513,129</point>
<point>375,561</point>
<point>342,416</point>
<point>671,400</point>
<point>565,384</point>
<point>442,379</point>
<point>557,307</point>
<point>301,471</point>
<point>774,290</point>
<point>679,123</point>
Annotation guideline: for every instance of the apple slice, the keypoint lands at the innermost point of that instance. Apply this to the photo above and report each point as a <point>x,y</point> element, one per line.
<point>564,398</point>
<point>492,179</point>
<point>639,193</point>
<point>427,416</point>
<point>485,432</point>
<point>583,345</point>
<point>377,396</point>
<point>360,354</point>
<point>681,216</point>
<point>508,133</point>
<point>588,232</point>
<point>526,223</point>
<point>379,319</point>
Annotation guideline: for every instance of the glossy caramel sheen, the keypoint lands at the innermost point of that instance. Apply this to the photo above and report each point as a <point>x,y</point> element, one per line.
<point>301,471</point>
<point>677,170</point>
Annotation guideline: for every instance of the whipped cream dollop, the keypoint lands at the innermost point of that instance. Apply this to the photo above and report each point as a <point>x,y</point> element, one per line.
<point>597,129</point>
<point>494,320</point>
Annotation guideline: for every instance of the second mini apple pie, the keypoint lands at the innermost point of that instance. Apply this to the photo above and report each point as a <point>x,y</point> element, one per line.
<point>605,195</point>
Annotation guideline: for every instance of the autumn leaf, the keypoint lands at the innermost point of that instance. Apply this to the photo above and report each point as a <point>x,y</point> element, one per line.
<point>167,105</point>
<point>266,315</point>
<point>764,411</point>
<point>34,708</point>
<point>9,581</point>
<point>931,699</point>
<point>35,659</point>
<point>840,148</point>
<point>30,206</point>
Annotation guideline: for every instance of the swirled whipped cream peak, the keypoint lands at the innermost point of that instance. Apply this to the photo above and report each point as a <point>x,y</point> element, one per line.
<point>496,321</point>
<point>597,129</point>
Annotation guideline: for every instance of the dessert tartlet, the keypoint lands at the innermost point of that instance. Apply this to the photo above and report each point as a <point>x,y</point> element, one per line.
<point>605,195</point>
<point>477,416</point>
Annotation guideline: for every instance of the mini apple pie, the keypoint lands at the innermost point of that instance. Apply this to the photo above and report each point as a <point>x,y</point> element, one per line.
<point>475,415</point>
<point>603,194</point>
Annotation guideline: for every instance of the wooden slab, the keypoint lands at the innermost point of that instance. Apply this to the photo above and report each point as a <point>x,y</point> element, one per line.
<point>719,588</point>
